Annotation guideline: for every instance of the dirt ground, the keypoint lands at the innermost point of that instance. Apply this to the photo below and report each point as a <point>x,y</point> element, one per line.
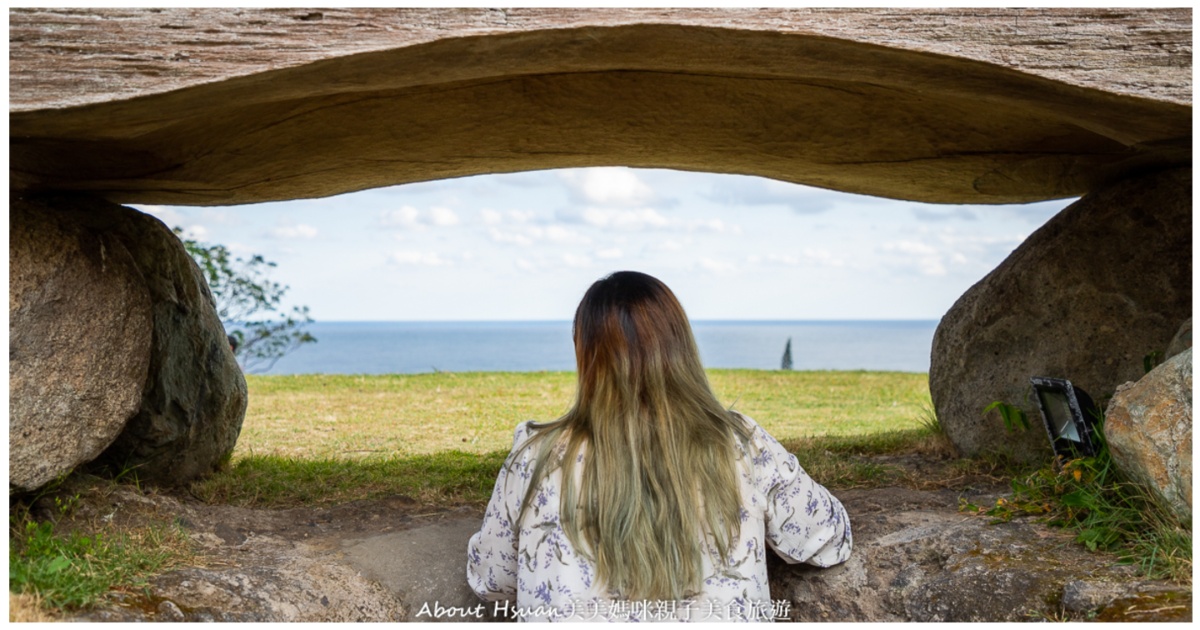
<point>372,560</point>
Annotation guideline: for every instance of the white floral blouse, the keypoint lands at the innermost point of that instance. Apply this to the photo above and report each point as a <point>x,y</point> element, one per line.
<point>784,509</point>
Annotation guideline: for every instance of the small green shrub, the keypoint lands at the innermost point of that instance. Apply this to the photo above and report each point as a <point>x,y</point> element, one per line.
<point>1108,512</point>
<point>1014,417</point>
<point>1152,360</point>
<point>930,422</point>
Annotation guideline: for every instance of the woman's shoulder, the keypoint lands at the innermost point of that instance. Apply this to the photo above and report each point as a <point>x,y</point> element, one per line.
<point>757,434</point>
<point>762,447</point>
<point>524,436</point>
<point>522,433</point>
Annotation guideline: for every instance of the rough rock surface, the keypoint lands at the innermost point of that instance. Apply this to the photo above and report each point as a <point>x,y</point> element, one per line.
<point>1149,429</point>
<point>916,558</point>
<point>425,567</point>
<point>79,342</point>
<point>55,53</point>
<point>1086,297</point>
<point>192,397</point>
<point>195,398</point>
<point>1182,339</point>
<point>240,106</point>
<point>264,566</point>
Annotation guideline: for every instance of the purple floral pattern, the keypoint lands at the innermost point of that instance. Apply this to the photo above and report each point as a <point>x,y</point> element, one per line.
<point>536,565</point>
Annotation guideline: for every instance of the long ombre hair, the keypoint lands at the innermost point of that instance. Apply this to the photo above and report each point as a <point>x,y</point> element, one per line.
<point>659,484</point>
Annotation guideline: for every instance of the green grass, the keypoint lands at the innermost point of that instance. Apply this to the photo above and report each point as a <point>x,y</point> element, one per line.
<point>456,477</point>
<point>351,417</point>
<point>1090,496</point>
<point>441,438</point>
<point>273,481</point>
<point>72,570</point>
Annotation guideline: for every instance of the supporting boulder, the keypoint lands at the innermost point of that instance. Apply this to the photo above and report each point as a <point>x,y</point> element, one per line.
<point>1182,340</point>
<point>1149,431</point>
<point>1086,298</point>
<point>159,349</point>
<point>79,342</point>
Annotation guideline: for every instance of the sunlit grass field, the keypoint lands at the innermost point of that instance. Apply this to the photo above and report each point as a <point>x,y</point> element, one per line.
<point>441,438</point>
<point>351,417</point>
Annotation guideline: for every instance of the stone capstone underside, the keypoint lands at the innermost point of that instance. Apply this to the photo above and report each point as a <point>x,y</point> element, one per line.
<point>207,107</point>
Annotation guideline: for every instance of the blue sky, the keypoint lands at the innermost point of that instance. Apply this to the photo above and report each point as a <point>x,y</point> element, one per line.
<point>526,246</point>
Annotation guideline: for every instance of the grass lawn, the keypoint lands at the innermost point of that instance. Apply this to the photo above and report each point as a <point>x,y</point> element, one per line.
<point>441,438</point>
<point>349,417</point>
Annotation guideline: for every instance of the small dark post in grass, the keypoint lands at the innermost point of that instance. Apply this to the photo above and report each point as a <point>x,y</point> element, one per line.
<point>787,356</point>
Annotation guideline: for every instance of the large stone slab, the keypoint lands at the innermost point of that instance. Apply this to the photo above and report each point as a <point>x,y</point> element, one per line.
<point>1149,429</point>
<point>224,106</point>
<point>79,341</point>
<point>68,57</point>
<point>1086,297</point>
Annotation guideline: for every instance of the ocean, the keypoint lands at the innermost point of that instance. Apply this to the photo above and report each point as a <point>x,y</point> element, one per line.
<point>415,347</point>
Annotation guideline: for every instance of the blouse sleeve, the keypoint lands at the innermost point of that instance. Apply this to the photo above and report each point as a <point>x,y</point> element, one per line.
<point>492,552</point>
<point>804,522</point>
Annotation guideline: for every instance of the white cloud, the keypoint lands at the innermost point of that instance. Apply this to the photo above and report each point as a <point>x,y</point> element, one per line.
<point>410,218</point>
<point>419,259</point>
<point>576,261</point>
<point>490,217</point>
<point>987,250</point>
<point>525,236</point>
<point>170,216</point>
<point>239,248</point>
<point>221,216</point>
<point>195,232</point>
<point>823,257</point>
<point>512,238</point>
<point>641,220</point>
<point>404,217</point>
<point>936,213</point>
<point>524,265</point>
<point>495,217</point>
<point>294,232</point>
<point>520,216</point>
<point>562,235</point>
<point>809,257</point>
<point>926,259</point>
<point>931,266</point>
<point>712,225</point>
<point>909,247</point>
<point>637,220</point>
<point>715,266</point>
<point>609,254</point>
<point>954,238</point>
<point>761,191</point>
<point>1034,213</point>
<point>442,217</point>
<point>608,186</point>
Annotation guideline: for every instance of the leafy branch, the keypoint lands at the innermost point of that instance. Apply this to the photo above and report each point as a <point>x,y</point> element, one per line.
<point>244,293</point>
